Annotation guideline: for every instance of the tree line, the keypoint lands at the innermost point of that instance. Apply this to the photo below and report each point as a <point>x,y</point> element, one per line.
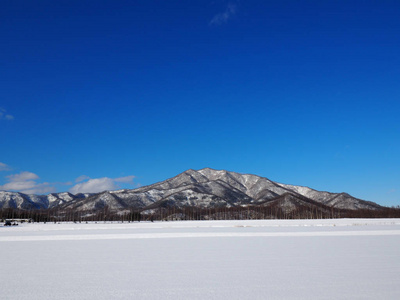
<point>198,213</point>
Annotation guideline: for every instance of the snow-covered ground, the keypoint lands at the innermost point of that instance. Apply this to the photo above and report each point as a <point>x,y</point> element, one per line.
<point>263,259</point>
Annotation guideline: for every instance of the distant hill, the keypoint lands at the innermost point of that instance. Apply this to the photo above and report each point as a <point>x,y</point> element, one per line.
<point>203,189</point>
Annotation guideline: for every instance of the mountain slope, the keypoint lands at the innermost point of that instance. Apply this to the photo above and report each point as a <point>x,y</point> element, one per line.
<point>205,188</point>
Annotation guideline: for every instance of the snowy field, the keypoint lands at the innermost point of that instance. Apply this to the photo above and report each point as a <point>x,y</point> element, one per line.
<point>263,259</point>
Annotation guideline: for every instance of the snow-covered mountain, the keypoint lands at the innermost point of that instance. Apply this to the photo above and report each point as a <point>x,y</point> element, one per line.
<point>28,202</point>
<point>205,188</point>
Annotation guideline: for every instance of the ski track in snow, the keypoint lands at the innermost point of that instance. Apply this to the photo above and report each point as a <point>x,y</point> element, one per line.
<point>194,235</point>
<point>199,229</point>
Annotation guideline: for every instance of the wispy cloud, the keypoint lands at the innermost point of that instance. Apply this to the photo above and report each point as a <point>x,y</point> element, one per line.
<point>26,182</point>
<point>223,17</point>
<point>23,176</point>
<point>4,167</point>
<point>29,183</point>
<point>5,116</point>
<point>41,189</point>
<point>82,178</point>
<point>126,179</point>
<point>94,186</point>
<point>98,184</point>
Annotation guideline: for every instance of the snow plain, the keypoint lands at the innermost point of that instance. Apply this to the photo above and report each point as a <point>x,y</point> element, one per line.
<point>260,259</point>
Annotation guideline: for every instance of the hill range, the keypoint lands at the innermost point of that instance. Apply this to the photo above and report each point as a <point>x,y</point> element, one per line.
<point>203,189</point>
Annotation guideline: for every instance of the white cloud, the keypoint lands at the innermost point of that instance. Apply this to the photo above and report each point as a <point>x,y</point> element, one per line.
<point>23,176</point>
<point>18,185</point>
<point>223,17</point>
<point>41,189</point>
<point>82,178</point>
<point>94,186</point>
<point>4,167</point>
<point>99,184</point>
<point>126,179</point>
<point>4,115</point>
<point>25,182</point>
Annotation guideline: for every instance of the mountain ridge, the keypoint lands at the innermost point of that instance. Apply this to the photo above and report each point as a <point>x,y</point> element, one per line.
<point>204,188</point>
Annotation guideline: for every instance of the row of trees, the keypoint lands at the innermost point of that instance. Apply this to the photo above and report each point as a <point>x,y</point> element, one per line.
<point>269,212</point>
<point>197,213</point>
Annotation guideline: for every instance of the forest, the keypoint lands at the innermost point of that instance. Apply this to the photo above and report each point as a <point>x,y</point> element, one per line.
<point>197,213</point>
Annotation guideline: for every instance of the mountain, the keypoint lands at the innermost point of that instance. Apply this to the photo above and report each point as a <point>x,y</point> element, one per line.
<point>29,202</point>
<point>205,188</point>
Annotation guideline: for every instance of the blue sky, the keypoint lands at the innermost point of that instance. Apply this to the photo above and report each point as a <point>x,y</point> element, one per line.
<point>107,94</point>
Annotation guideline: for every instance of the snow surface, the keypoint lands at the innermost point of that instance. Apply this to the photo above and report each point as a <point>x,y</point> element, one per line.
<point>262,259</point>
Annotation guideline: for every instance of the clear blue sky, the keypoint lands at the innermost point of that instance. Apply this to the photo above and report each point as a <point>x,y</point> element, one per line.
<point>300,92</point>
